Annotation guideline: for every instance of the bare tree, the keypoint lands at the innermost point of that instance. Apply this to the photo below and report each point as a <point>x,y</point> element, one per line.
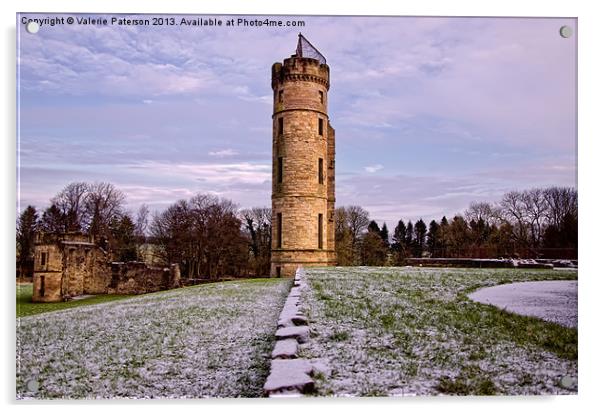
<point>513,212</point>
<point>169,231</point>
<point>536,210</point>
<point>343,241</point>
<point>70,201</point>
<point>357,219</point>
<point>203,235</point>
<point>141,224</point>
<point>103,204</point>
<point>480,211</point>
<point>561,202</point>
<point>258,224</point>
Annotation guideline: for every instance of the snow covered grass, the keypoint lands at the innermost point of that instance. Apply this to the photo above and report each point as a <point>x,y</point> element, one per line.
<point>205,341</point>
<point>413,331</point>
<point>26,307</point>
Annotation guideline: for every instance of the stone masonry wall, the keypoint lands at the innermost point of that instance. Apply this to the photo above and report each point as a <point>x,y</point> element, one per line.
<point>47,287</point>
<point>48,271</point>
<point>69,265</point>
<point>100,275</point>
<point>331,194</point>
<point>77,267</point>
<point>300,102</point>
<point>138,278</point>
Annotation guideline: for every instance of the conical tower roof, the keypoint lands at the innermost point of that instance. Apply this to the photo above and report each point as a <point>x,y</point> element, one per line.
<point>307,50</point>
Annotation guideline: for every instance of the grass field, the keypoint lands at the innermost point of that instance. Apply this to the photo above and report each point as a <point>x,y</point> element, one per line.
<point>25,307</point>
<point>212,340</point>
<point>395,331</point>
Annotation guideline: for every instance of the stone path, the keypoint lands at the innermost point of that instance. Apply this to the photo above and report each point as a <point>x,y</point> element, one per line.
<point>554,301</point>
<point>289,375</point>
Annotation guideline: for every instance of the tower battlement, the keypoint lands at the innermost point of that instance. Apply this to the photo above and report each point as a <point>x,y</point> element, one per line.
<point>301,68</point>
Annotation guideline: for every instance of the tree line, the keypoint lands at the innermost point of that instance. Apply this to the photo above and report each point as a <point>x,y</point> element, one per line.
<point>208,236</point>
<point>539,222</point>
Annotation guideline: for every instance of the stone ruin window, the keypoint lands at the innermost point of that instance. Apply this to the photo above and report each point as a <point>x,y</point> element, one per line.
<point>42,285</point>
<point>321,171</point>
<point>278,272</point>
<point>280,169</point>
<point>321,97</point>
<point>280,126</point>
<point>279,230</point>
<point>321,127</point>
<point>281,96</point>
<point>320,225</point>
<point>43,259</point>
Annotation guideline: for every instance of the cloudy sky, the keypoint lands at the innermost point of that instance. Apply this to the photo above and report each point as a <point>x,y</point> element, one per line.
<point>430,113</point>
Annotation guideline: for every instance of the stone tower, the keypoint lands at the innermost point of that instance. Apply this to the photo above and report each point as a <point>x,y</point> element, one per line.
<point>302,163</point>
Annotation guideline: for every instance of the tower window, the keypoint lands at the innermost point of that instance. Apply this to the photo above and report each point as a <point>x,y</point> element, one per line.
<point>280,126</point>
<point>280,169</point>
<point>320,222</point>
<point>42,286</point>
<point>321,96</point>
<point>279,230</point>
<point>43,259</point>
<point>320,127</point>
<point>320,171</point>
<point>280,96</point>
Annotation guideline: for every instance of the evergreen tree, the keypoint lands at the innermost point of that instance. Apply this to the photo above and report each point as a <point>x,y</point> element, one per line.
<point>123,232</point>
<point>410,238</point>
<point>26,229</point>
<point>53,220</point>
<point>433,241</point>
<point>409,234</point>
<point>459,236</point>
<point>420,239</point>
<point>399,243</point>
<point>373,250</point>
<point>384,234</point>
<point>373,227</point>
<point>444,237</point>
<point>569,231</point>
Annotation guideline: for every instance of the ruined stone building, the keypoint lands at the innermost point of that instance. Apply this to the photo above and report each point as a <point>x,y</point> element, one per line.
<point>302,163</point>
<point>69,265</point>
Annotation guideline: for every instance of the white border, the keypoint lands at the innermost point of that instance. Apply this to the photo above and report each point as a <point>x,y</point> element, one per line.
<point>590,68</point>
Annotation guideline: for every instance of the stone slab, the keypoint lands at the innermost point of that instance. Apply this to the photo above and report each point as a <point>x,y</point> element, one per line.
<point>292,301</point>
<point>300,333</point>
<point>285,349</point>
<point>289,375</point>
<point>292,320</point>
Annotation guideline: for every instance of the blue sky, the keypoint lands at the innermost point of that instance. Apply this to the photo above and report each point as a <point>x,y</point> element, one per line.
<point>430,113</point>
